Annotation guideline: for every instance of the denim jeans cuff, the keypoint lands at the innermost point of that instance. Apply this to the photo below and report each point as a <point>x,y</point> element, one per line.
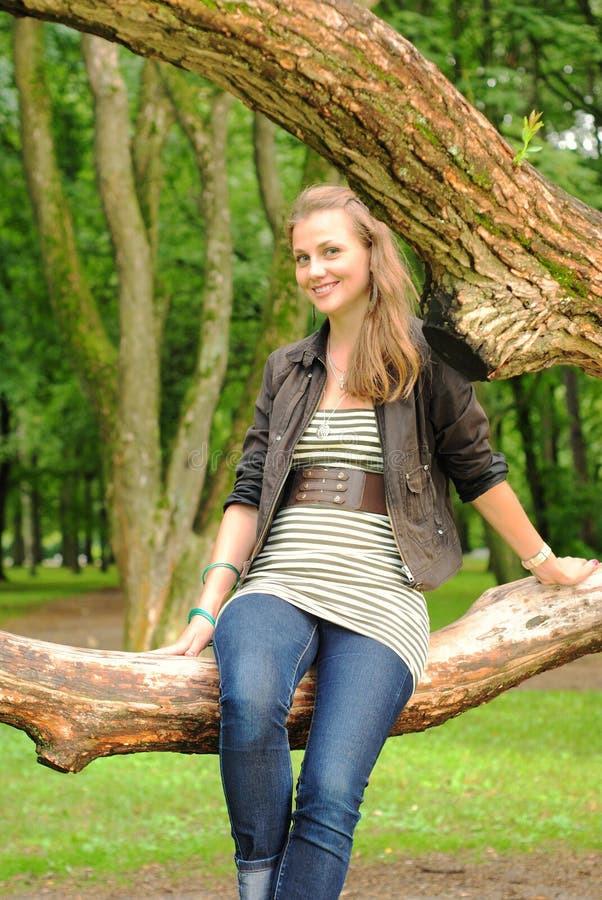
<point>256,865</point>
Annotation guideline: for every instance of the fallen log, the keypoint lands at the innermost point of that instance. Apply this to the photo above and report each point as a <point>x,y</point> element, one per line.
<point>80,704</point>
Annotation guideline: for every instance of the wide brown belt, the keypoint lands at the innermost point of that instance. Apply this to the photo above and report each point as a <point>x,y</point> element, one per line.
<point>332,486</point>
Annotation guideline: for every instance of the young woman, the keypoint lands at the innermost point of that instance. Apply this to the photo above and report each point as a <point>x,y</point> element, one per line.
<point>339,518</point>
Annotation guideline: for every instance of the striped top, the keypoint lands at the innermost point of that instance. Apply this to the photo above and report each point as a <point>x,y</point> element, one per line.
<point>343,565</point>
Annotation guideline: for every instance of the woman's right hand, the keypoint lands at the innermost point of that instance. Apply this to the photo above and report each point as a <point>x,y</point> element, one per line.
<point>192,641</point>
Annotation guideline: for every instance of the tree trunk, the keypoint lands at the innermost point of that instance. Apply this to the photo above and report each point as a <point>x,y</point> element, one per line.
<point>18,547</point>
<point>68,524</point>
<point>153,123</point>
<point>136,463</point>
<point>578,448</point>
<point>88,518</point>
<point>78,705</point>
<point>534,477</point>
<point>514,263</point>
<point>36,514</point>
<point>503,563</point>
<point>74,308</point>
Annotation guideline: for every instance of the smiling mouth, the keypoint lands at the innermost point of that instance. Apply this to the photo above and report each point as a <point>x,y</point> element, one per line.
<point>323,289</point>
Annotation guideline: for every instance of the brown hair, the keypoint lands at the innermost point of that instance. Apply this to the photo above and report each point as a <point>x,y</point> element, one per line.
<point>385,362</point>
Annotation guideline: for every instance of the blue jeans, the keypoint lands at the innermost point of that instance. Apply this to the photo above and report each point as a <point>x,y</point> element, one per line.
<point>263,647</point>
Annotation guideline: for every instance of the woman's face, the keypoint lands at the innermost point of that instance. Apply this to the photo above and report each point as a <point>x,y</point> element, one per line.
<point>332,264</point>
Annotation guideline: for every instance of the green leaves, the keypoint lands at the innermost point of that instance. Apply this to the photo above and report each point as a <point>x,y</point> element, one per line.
<point>531,125</point>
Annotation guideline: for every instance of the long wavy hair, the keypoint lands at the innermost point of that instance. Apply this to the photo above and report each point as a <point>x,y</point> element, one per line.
<point>385,362</point>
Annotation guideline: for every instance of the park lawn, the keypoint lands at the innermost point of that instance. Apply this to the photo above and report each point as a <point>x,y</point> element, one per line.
<point>23,593</point>
<point>518,775</point>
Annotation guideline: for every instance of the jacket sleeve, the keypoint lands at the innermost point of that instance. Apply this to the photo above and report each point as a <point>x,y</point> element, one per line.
<point>249,470</point>
<point>461,431</point>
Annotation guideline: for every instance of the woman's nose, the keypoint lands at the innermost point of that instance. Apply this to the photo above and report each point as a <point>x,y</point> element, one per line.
<point>316,267</point>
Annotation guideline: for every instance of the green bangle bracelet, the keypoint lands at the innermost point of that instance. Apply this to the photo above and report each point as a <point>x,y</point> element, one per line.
<point>225,565</point>
<point>197,611</point>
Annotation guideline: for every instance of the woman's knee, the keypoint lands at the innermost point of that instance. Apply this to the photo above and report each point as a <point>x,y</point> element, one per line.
<point>254,702</point>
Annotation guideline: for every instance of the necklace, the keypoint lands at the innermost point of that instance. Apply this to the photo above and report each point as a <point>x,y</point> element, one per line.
<point>323,429</point>
<point>339,374</point>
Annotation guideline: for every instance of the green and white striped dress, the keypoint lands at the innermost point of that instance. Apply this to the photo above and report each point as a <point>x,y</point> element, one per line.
<point>343,565</point>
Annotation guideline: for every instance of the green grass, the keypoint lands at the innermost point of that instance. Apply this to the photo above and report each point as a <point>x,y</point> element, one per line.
<point>520,774</point>
<point>24,593</point>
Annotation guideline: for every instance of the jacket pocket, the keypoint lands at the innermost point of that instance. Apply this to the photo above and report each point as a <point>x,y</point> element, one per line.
<point>419,493</point>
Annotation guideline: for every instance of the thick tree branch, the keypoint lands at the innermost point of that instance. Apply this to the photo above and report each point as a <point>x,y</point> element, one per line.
<point>78,705</point>
<point>515,264</point>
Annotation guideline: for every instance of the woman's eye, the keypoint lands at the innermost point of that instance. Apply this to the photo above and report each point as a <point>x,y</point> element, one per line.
<point>302,259</point>
<point>332,251</point>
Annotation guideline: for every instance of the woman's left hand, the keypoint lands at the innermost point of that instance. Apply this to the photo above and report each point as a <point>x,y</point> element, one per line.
<point>564,570</point>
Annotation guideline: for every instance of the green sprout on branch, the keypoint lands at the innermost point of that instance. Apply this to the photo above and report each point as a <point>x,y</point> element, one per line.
<point>531,125</point>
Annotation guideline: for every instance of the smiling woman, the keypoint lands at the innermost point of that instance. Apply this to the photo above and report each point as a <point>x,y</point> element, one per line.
<point>339,518</point>
<point>333,267</point>
<point>348,264</point>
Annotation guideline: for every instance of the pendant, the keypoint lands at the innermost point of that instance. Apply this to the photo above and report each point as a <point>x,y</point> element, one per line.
<point>322,431</point>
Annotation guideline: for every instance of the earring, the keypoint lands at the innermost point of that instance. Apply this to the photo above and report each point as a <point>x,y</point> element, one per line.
<point>313,316</point>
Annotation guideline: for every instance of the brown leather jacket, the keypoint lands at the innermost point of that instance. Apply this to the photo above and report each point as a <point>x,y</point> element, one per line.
<point>439,433</point>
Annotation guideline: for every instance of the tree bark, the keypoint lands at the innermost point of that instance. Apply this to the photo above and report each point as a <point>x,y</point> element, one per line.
<point>78,705</point>
<point>153,123</point>
<point>532,469</point>
<point>266,166</point>
<point>68,521</point>
<point>579,448</point>
<point>514,263</point>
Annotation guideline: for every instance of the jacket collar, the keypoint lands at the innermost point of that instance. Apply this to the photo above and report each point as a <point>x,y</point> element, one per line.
<point>307,349</point>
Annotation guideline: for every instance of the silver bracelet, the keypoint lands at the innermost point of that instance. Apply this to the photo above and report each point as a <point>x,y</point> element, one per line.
<point>538,559</point>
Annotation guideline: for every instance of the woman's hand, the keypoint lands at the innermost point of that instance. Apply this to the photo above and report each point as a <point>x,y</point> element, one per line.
<point>564,570</point>
<point>192,641</point>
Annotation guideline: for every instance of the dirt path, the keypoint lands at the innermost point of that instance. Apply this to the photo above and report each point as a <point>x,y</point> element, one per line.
<point>560,876</point>
<point>95,620</point>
